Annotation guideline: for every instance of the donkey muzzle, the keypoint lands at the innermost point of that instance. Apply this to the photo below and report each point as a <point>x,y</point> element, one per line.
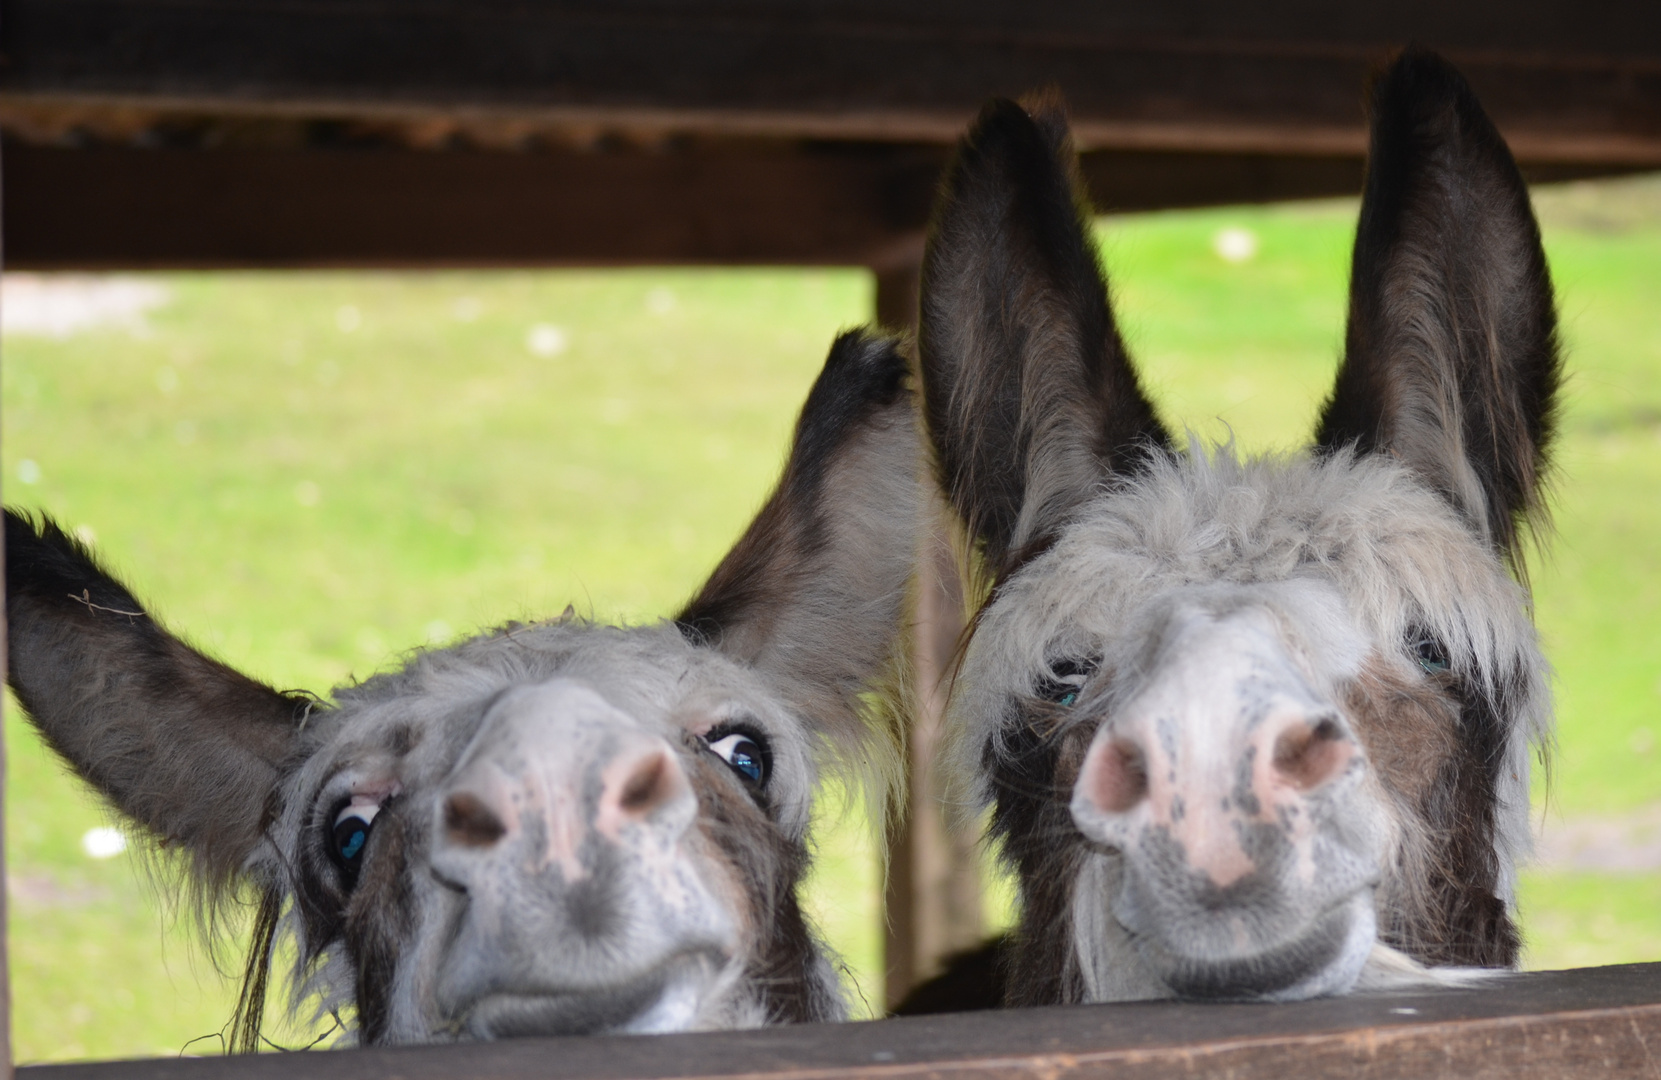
<point>566,826</point>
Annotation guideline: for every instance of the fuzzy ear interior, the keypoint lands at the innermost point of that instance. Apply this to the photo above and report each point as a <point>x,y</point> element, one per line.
<point>814,591</point>
<point>1451,358</point>
<point>187,747</point>
<point>1030,398</point>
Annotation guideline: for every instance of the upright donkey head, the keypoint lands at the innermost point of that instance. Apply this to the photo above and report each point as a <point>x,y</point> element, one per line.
<point>554,828</point>
<point>1251,728</point>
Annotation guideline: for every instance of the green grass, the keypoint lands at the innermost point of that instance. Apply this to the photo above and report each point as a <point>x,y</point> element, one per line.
<point>309,501</point>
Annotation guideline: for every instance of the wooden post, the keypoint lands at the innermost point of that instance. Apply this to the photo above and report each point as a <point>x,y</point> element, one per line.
<point>5,922</point>
<point>932,900</point>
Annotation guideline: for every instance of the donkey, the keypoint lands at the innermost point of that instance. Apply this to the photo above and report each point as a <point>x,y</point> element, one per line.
<point>1249,727</point>
<point>557,828</point>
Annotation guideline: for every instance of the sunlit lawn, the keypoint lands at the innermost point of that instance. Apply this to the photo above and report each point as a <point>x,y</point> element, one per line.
<point>309,474</point>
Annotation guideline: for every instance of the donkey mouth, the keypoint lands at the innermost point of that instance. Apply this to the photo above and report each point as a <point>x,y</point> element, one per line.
<point>663,1000</point>
<point>1325,959</point>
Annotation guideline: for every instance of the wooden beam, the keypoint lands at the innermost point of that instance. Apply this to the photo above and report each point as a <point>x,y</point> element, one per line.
<point>120,207</point>
<point>1602,1023</point>
<point>1566,81</point>
<point>124,207</point>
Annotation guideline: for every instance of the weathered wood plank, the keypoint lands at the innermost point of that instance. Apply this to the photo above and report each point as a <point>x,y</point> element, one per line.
<point>1597,1022</point>
<point>1565,81</point>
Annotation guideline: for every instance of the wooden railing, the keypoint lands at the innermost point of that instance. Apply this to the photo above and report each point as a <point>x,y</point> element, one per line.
<point>1602,1023</point>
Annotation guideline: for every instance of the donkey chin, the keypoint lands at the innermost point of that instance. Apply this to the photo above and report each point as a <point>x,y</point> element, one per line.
<point>1207,943</point>
<point>673,997</point>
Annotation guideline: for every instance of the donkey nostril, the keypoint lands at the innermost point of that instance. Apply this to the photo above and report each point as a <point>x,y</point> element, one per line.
<point>470,823</point>
<point>1119,779</point>
<point>653,782</point>
<point>1307,757</point>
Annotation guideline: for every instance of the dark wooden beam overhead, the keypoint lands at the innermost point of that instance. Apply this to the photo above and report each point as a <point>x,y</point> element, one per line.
<point>115,207</point>
<point>1567,80</point>
<point>1601,1023</point>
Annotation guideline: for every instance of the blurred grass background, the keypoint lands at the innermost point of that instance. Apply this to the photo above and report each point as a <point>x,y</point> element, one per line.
<point>309,474</point>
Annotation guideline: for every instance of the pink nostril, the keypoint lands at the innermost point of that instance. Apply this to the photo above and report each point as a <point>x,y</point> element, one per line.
<point>652,781</point>
<point>1117,775</point>
<point>468,822</point>
<point>1307,757</point>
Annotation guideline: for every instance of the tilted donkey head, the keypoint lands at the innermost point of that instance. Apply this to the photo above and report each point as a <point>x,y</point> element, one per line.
<point>1251,728</point>
<point>553,828</point>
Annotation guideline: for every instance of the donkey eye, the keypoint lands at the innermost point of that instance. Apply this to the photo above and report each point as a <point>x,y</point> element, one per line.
<point>1068,679</point>
<point>1430,654</point>
<point>350,835</point>
<point>747,756</point>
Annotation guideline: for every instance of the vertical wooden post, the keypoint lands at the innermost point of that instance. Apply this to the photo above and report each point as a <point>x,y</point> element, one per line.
<point>5,921</point>
<point>932,899</point>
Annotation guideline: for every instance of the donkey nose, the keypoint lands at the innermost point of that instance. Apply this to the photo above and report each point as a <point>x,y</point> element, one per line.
<point>644,785</point>
<point>1114,776</point>
<point>471,822</point>
<point>559,777</point>
<point>1309,751</point>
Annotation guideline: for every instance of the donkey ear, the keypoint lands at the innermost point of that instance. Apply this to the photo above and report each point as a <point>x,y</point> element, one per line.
<point>185,746</point>
<point>1450,358</point>
<point>814,591</point>
<point>1029,395</point>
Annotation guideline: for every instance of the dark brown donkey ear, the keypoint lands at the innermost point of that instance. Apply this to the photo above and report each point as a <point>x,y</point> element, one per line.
<point>185,746</point>
<point>1029,396</point>
<point>814,591</point>
<point>1450,358</point>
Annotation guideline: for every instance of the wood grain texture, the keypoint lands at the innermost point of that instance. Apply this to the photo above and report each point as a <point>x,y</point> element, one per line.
<point>1596,1022</point>
<point>1564,81</point>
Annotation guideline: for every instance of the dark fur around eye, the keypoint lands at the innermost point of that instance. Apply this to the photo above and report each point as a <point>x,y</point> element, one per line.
<point>1066,680</point>
<point>1429,652</point>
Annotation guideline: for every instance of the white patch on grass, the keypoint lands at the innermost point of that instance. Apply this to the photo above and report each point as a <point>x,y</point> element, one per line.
<point>1234,244</point>
<point>348,318</point>
<point>660,301</point>
<point>103,842</point>
<point>307,493</point>
<point>28,471</point>
<point>184,432</point>
<point>546,339</point>
<point>63,305</point>
<point>439,632</point>
<point>167,381</point>
<point>86,535</point>
<point>466,308</point>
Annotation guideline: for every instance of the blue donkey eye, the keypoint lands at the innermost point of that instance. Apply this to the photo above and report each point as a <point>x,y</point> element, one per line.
<point>747,757</point>
<point>350,834</point>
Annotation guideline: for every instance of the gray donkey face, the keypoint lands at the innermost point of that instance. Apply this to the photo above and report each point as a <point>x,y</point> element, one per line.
<point>1250,728</point>
<point>557,828</point>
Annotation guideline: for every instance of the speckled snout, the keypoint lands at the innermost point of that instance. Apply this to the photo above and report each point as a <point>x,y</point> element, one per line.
<point>1228,782</point>
<point>554,768</point>
<point>567,827</point>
